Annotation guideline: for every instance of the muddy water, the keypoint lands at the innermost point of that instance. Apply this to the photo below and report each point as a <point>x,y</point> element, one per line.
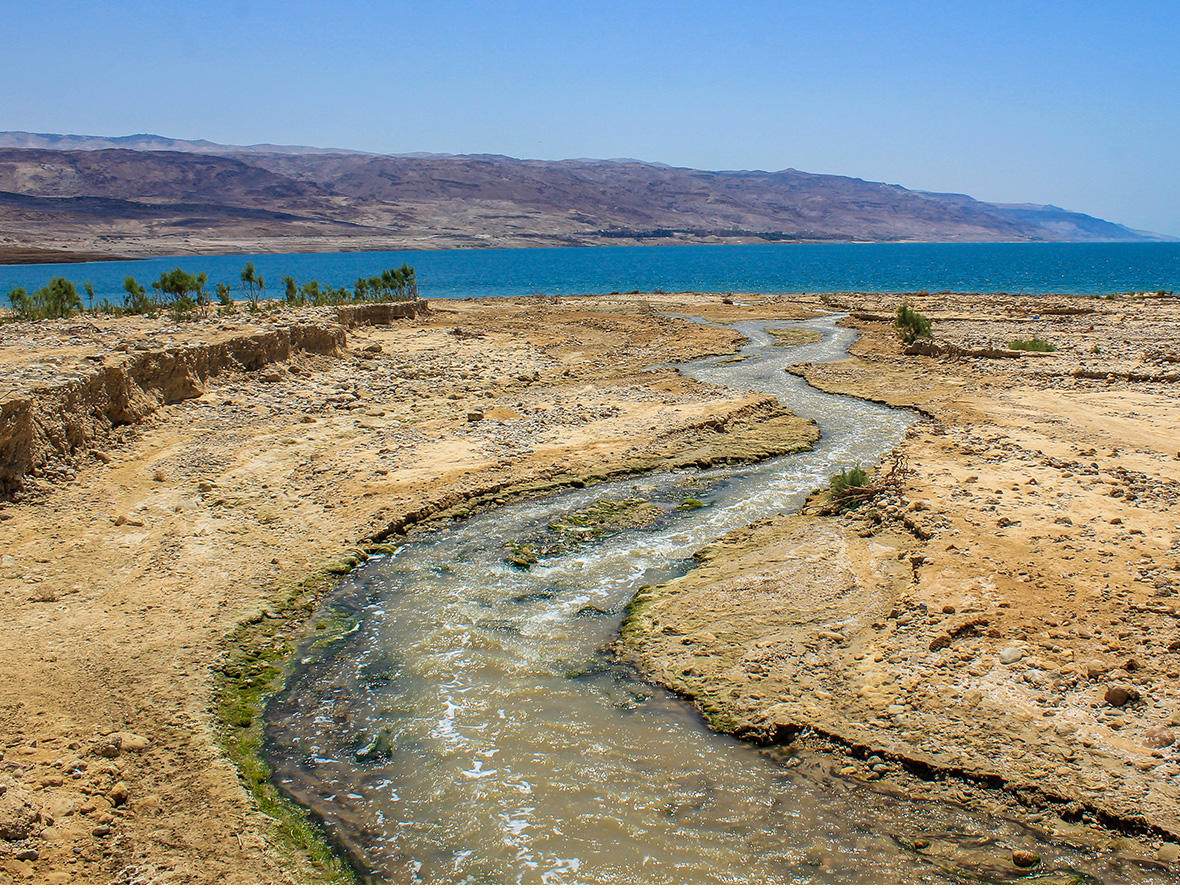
<point>468,727</point>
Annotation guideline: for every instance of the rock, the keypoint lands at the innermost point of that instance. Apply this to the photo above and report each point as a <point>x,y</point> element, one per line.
<point>1010,655</point>
<point>1095,668</point>
<point>26,854</point>
<point>17,812</point>
<point>1026,859</point>
<point>119,794</point>
<point>940,641</point>
<point>101,831</point>
<point>129,742</point>
<point>271,376</point>
<point>1119,695</point>
<point>109,747</point>
<point>1159,737</point>
<point>1169,852</point>
<point>474,415</point>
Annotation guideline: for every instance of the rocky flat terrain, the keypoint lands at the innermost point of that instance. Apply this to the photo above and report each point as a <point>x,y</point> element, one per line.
<point>1004,609</point>
<point>169,483</point>
<point>996,627</point>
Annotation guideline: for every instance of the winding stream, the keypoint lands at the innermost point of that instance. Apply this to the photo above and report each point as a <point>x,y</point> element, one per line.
<point>470,729</point>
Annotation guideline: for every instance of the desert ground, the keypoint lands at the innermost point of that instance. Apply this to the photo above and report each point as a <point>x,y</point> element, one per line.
<point>998,624</point>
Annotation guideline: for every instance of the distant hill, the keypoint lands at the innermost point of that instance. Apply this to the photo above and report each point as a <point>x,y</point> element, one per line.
<point>149,195</point>
<point>148,142</point>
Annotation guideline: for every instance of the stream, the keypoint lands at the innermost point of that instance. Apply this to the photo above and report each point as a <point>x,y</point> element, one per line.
<point>468,726</point>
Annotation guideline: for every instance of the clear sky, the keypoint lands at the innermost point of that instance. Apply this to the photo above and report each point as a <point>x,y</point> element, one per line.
<point>1070,103</point>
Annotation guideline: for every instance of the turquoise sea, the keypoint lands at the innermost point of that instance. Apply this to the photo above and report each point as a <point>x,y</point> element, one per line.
<point>772,268</point>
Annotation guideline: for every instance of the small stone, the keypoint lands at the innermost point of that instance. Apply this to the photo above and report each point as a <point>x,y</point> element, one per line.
<point>1095,668</point>
<point>101,831</point>
<point>272,376</point>
<point>205,486</point>
<point>1118,695</point>
<point>119,794</point>
<point>108,747</point>
<point>474,415</point>
<point>1159,737</point>
<point>1169,852</point>
<point>939,642</point>
<point>1010,655</point>
<point>1025,859</point>
<point>26,854</point>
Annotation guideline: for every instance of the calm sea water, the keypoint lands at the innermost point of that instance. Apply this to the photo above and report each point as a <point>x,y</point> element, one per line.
<point>773,268</point>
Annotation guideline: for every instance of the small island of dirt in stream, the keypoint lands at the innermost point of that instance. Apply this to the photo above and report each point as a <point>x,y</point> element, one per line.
<point>997,624</point>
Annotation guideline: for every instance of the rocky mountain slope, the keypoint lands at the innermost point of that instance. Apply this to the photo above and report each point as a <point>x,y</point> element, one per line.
<point>92,194</point>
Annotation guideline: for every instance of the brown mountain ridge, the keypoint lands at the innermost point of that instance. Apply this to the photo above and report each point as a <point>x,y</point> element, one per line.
<point>80,193</point>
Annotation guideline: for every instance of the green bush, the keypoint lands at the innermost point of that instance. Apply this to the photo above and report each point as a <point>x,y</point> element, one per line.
<point>57,299</point>
<point>849,488</point>
<point>910,325</point>
<point>1032,345</point>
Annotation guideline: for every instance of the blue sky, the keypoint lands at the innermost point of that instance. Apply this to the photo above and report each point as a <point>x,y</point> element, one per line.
<point>1075,104</point>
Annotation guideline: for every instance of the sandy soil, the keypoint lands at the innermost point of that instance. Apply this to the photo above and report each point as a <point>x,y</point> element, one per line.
<point>1007,612</point>
<point>171,481</point>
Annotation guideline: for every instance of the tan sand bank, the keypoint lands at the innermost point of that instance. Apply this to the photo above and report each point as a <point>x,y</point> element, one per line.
<point>172,481</point>
<point>1008,612</point>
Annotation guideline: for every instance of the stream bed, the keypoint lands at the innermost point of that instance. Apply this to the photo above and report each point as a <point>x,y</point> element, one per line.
<point>468,726</point>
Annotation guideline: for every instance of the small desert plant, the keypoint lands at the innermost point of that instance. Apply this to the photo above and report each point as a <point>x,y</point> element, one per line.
<point>910,325</point>
<point>1032,345</point>
<point>849,488</point>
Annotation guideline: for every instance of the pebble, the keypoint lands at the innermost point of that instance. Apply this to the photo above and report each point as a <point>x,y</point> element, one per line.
<point>1025,859</point>
<point>26,854</point>
<point>1011,655</point>
<point>119,794</point>
<point>1118,695</point>
<point>1169,852</point>
<point>1159,737</point>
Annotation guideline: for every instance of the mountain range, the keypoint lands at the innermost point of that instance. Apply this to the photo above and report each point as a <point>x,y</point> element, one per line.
<point>151,195</point>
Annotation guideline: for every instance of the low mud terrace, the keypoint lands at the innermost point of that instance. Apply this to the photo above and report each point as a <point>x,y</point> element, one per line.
<point>168,483</point>
<point>1005,618</point>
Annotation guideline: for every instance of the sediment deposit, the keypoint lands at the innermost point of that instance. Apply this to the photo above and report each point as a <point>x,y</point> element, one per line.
<point>169,482</point>
<point>1005,617</point>
<point>1005,614</point>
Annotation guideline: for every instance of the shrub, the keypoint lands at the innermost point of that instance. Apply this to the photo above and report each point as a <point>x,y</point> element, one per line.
<point>57,299</point>
<point>849,488</point>
<point>910,325</point>
<point>1032,345</point>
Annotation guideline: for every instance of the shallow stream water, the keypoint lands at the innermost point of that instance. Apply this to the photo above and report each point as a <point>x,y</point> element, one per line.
<point>470,728</point>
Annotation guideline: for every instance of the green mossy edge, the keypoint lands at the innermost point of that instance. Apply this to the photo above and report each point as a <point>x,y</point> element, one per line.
<point>258,658</point>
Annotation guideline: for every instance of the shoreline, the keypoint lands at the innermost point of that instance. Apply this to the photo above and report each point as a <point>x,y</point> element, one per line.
<point>971,623</point>
<point>280,485</point>
<point>235,465</point>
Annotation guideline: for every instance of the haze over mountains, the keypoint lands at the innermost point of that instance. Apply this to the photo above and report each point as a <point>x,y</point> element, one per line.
<point>150,195</point>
